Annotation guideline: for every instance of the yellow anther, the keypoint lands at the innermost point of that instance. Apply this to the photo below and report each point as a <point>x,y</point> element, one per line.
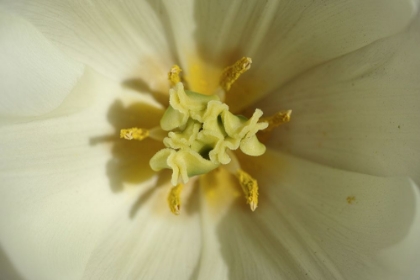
<point>134,133</point>
<point>233,72</point>
<point>173,75</point>
<point>276,120</point>
<point>250,188</point>
<point>351,199</point>
<point>174,199</point>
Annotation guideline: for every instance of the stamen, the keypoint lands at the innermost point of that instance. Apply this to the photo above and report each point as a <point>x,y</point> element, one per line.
<point>232,73</point>
<point>276,120</point>
<point>174,199</point>
<point>200,131</point>
<point>173,75</point>
<point>250,187</point>
<point>200,134</point>
<point>134,133</point>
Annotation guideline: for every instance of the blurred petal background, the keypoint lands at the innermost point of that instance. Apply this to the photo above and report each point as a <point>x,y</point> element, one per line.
<point>338,184</point>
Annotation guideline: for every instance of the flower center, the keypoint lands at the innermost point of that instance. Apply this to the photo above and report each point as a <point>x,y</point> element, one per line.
<point>202,133</point>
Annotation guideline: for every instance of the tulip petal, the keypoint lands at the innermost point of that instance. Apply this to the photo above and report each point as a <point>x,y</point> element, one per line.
<point>316,222</point>
<point>359,112</point>
<point>120,39</point>
<point>286,38</point>
<point>62,177</point>
<point>35,76</point>
<point>155,244</point>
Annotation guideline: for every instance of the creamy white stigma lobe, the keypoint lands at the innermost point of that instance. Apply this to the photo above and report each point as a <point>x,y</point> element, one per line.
<point>201,131</point>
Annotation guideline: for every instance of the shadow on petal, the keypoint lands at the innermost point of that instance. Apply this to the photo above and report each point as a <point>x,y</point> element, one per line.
<point>163,13</point>
<point>7,269</point>
<point>307,228</point>
<point>163,180</point>
<point>142,86</point>
<point>192,201</point>
<point>220,43</point>
<point>130,159</point>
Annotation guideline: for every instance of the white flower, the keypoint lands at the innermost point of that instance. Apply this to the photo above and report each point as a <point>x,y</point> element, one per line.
<point>339,196</point>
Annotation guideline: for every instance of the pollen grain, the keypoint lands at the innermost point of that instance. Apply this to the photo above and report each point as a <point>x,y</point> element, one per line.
<point>250,188</point>
<point>174,199</point>
<point>174,75</point>
<point>232,73</point>
<point>134,133</point>
<point>277,119</point>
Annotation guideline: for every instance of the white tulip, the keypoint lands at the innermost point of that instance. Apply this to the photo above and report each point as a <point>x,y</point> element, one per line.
<point>338,185</point>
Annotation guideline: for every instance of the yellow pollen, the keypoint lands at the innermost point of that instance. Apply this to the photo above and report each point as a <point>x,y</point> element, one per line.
<point>199,134</point>
<point>134,133</point>
<point>174,76</point>
<point>276,120</point>
<point>174,199</point>
<point>250,188</point>
<point>350,199</point>
<point>233,72</point>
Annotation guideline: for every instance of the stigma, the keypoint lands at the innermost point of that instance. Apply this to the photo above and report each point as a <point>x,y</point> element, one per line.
<point>200,131</point>
<point>202,135</point>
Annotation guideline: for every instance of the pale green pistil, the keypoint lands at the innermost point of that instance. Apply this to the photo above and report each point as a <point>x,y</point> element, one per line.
<point>201,131</point>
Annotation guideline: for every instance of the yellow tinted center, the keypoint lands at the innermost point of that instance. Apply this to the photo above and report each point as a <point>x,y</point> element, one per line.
<point>201,134</point>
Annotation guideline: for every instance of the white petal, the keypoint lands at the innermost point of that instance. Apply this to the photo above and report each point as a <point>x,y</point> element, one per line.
<point>286,38</point>
<point>179,25</point>
<point>7,268</point>
<point>61,177</point>
<point>315,222</point>
<point>121,39</point>
<point>218,191</point>
<point>155,244</point>
<point>359,112</point>
<point>35,76</point>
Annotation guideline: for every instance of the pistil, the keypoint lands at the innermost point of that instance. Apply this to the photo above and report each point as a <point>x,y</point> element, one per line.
<point>201,135</point>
